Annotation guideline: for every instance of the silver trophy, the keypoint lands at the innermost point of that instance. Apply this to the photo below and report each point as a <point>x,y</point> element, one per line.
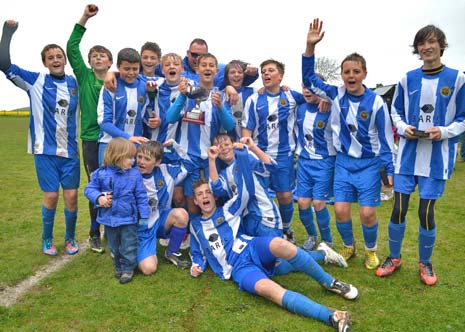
<point>196,115</point>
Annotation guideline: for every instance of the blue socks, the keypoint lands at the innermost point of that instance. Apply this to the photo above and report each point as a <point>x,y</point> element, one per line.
<point>306,216</point>
<point>426,239</point>
<point>345,230</point>
<point>302,305</point>
<point>70,220</point>
<point>176,237</point>
<point>48,218</point>
<point>370,235</point>
<point>304,262</point>
<point>396,236</point>
<point>323,220</point>
<point>286,211</point>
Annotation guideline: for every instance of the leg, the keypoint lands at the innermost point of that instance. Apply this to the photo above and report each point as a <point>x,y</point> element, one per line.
<point>323,220</point>
<point>306,217</point>
<point>370,235</point>
<point>176,226</point>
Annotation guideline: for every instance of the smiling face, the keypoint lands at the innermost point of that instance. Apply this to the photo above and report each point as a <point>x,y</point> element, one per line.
<point>146,163</point>
<point>193,53</point>
<point>207,68</point>
<point>271,77</point>
<point>353,75</point>
<point>205,200</point>
<point>55,60</point>
<point>225,145</point>
<point>235,75</point>
<point>149,61</point>
<point>128,71</point>
<point>430,51</point>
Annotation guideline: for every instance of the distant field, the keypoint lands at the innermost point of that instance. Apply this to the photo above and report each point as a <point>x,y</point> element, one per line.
<point>14,113</point>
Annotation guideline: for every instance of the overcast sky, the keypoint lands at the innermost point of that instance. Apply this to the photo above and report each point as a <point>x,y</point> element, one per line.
<point>253,31</point>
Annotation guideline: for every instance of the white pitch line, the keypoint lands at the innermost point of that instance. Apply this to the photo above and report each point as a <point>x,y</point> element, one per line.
<point>11,295</point>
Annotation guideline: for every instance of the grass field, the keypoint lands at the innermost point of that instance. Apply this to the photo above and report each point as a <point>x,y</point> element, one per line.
<point>84,296</point>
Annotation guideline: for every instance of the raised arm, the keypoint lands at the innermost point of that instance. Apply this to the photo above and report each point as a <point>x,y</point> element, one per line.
<point>9,28</point>
<point>314,36</point>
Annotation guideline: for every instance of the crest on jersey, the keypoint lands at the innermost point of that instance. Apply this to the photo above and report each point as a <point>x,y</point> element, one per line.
<point>364,115</point>
<point>141,99</point>
<point>283,102</point>
<point>219,220</point>
<point>320,124</point>
<point>160,183</point>
<point>73,92</point>
<point>445,91</point>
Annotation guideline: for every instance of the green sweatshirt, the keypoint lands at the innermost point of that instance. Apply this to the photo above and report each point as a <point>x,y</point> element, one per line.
<point>89,86</point>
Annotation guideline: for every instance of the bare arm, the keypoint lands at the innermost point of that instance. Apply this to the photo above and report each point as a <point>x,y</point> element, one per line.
<point>90,11</point>
<point>314,36</point>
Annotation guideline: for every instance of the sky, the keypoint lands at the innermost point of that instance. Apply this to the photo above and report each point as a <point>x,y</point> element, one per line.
<point>253,31</point>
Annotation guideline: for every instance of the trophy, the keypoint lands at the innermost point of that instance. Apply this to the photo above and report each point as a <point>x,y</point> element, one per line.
<point>199,94</point>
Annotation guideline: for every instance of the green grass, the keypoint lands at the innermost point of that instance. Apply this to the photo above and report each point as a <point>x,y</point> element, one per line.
<point>84,296</point>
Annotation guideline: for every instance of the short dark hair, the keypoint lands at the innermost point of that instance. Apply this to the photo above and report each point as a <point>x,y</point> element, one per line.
<point>424,33</point>
<point>199,41</point>
<point>100,49</point>
<point>49,47</point>
<point>151,46</point>
<point>278,64</point>
<point>128,54</point>
<point>356,58</point>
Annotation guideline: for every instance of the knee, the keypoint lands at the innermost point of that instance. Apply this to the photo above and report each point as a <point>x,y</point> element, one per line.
<point>149,267</point>
<point>181,217</point>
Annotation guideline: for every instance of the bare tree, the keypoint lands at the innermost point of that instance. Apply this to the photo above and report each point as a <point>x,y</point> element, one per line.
<point>328,68</point>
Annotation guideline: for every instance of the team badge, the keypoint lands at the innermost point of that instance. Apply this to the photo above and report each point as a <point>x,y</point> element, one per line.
<point>160,183</point>
<point>364,115</point>
<point>283,102</point>
<point>219,220</point>
<point>73,92</point>
<point>141,99</point>
<point>445,91</point>
<point>320,124</point>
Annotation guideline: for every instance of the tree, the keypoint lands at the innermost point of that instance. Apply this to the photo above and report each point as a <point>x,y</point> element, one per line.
<point>328,68</point>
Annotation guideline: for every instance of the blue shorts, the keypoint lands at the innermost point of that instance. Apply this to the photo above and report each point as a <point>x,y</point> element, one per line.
<point>315,178</point>
<point>357,180</point>
<point>53,171</point>
<point>148,236</point>
<point>256,262</point>
<point>253,226</point>
<point>428,188</point>
<point>283,179</point>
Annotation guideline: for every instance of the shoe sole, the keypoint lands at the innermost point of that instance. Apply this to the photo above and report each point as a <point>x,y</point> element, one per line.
<point>98,250</point>
<point>176,264</point>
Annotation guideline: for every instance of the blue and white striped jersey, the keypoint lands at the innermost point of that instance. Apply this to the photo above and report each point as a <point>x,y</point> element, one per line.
<point>53,123</point>
<point>260,203</point>
<point>237,110</point>
<point>313,132</point>
<point>361,124</point>
<point>120,114</point>
<point>426,101</point>
<point>197,138</point>
<point>160,185</point>
<point>271,118</point>
<point>217,239</point>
